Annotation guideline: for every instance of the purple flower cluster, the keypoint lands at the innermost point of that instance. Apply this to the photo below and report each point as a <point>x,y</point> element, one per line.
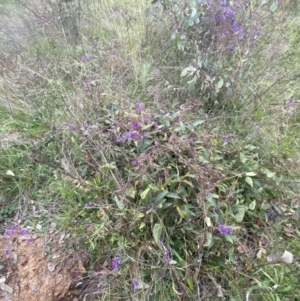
<point>71,127</point>
<point>226,139</point>
<point>139,107</point>
<point>91,205</point>
<point>168,254</point>
<point>15,229</point>
<point>230,17</point>
<point>222,230</point>
<point>227,13</point>
<point>134,284</point>
<point>116,261</point>
<point>136,126</point>
<point>140,127</point>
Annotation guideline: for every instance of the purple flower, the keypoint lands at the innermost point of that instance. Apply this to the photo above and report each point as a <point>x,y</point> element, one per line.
<point>84,58</point>
<point>143,156</point>
<point>168,254</point>
<point>166,173</point>
<point>136,126</point>
<point>95,44</point>
<point>24,231</point>
<point>139,107</point>
<point>9,232</point>
<point>116,261</point>
<point>226,139</point>
<point>130,135</point>
<point>7,252</point>
<point>222,230</point>
<point>227,13</point>
<point>134,163</point>
<point>71,127</point>
<point>30,240</point>
<point>134,284</point>
<point>235,27</point>
<point>85,127</point>
<point>292,100</point>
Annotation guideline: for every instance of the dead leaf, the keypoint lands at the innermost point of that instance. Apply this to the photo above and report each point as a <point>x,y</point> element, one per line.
<point>288,230</point>
<point>101,212</point>
<point>243,248</point>
<point>81,269</point>
<point>62,236</point>
<point>260,252</point>
<point>51,266</point>
<point>4,286</point>
<point>90,228</point>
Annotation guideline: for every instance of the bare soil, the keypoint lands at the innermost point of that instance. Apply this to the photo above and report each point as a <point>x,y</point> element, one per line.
<point>39,271</point>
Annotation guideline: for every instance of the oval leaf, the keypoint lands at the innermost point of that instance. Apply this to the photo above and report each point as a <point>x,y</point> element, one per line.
<point>208,240</point>
<point>173,195</point>
<point>249,181</point>
<point>240,215</point>
<point>157,229</point>
<point>144,193</point>
<point>252,205</point>
<point>251,174</point>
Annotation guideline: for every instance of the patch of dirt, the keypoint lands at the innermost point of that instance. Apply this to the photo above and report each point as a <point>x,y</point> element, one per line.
<point>35,270</point>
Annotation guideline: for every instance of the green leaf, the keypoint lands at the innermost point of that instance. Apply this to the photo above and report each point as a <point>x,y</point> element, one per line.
<point>220,84</point>
<point>142,225</point>
<point>157,229</point>
<point>249,181</point>
<point>208,242</point>
<point>210,198</point>
<point>271,175</point>
<point>251,174</point>
<point>229,238</point>
<point>184,72</point>
<point>190,283</point>
<point>108,166</point>
<point>240,215</point>
<point>119,203</point>
<point>252,205</point>
<point>160,196</point>
<point>173,195</point>
<point>181,212</point>
<point>172,262</point>
<point>196,123</point>
<point>130,191</point>
<point>144,193</point>
<point>273,7</point>
<point>243,158</point>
